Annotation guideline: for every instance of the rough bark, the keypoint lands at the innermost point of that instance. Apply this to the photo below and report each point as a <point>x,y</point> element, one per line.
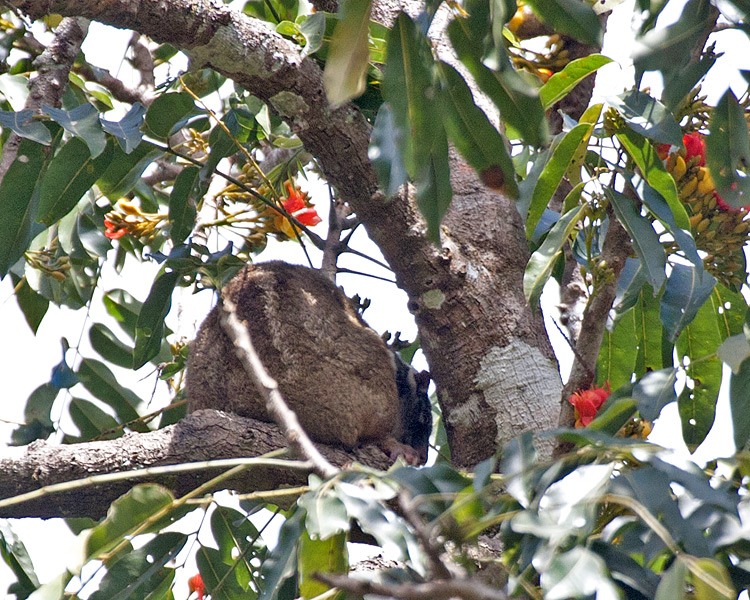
<point>494,368</point>
<point>203,435</point>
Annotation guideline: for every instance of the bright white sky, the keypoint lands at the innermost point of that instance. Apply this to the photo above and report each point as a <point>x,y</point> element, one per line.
<point>25,363</point>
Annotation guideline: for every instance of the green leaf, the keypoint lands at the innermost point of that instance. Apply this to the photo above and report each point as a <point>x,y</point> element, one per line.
<point>128,129</point>
<point>19,199</point>
<point>15,555</point>
<point>739,402</point>
<point>101,382</point>
<point>685,293</point>
<point>711,580</point>
<point>654,391</point>
<point>647,116</point>
<point>572,18</point>
<point>728,151</point>
<point>731,308</point>
<point>518,461</point>
<point>168,112</point>
<point>219,576</point>
<point>468,127</point>
<point>539,268</point>
<point>519,103</point>
<point>697,402</point>
<point>125,170</point>
<point>652,169</point>
<point>562,83</point>
<point>281,563</point>
<point>33,305</point>
<point>142,572</point>
<point>672,586</point>
<point>182,204</point>
<point>22,124</point>
<point>645,240</point>
<point>125,516</point>
<point>434,190</point>
<point>312,29</point>
<point>553,172</point>
<point>682,82</point>
<point>384,152</point>
<point>345,74</point>
<point>149,329</point>
<point>109,346</point>
<point>326,515</point>
<point>616,360</point>
<point>69,176</point>
<point>612,417</point>
<point>320,556</point>
<point>82,122</point>
<point>91,420</point>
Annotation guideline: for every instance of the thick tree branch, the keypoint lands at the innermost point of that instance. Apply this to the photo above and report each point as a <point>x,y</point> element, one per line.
<point>203,435</point>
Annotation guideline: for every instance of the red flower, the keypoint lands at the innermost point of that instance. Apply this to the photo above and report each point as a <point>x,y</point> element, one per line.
<point>695,145</point>
<point>295,201</point>
<point>195,584</point>
<point>587,403</point>
<point>308,217</point>
<point>113,231</point>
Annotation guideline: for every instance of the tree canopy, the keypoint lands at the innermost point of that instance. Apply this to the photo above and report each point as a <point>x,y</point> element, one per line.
<point>463,138</point>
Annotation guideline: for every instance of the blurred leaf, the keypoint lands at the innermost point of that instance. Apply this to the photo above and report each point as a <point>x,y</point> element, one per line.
<point>625,570</point>
<point>15,555</point>
<point>167,112</point>
<point>517,465</point>
<point>685,293</point>
<point>733,351</point>
<point>125,170</point>
<point>219,576</point>
<point>476,138</point>
<point>33,305</point>
<point>562,83</point>
<point>149,329</point>
<point>124,309</point>
<point>22,124</point>
<point>652,169</point>
<point>672,586</point>
<point>125,516</point>
<point>728,151</point>
<point>645,240</point>
<point>281,563</point>
<point>647,116</point>
<point>697,406</point>
<point>69,176</point>
<point>109,347</point>
<point>519,103</point>
<point>82,122</point>
<point>739,403</point>
<point>19,197</point>
<point>142,571</point>
<point>384,152</point>
<point>654,391</point>
<point>312,29</point>
<point>553,172</point>
<point>182,204</point>
<point>682,82</point>
<point>539,268</point>
<point>92,421</point>
<point>345,72</point>
<point>614,415</point>
<point>101,382</point>
<point>326,515</point>
<point>324,555</point>
<point>433,185</point>
<point>572,18</point>
<point>128,129</point>
<point>711,580</point>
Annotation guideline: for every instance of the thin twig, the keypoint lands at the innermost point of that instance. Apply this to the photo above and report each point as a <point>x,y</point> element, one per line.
<point>269,391</point>
<point>438,569</point>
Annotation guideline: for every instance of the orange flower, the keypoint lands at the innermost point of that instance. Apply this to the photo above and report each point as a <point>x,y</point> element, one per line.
<point>296,199</point>
<point>195,584</point>
<point>587,403</point>
<point>297,205</point>
<point>308,217</point>
<point>114,232</point>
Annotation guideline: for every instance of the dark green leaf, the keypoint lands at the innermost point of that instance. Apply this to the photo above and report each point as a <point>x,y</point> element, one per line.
<point>616,360</point>
<point>645,240</point>
<point>682,82</point>
<point>483,146</point>
<point>326,515</point>
<point>684,294</point>
<point>128,129</point>
<point>519,103</point>
<point>562,83</point>
<point>434,190</point>
<point>613,415</point>
<point>143,571</point>
<point>149,329</point>
<point>739,403</point>
<point>33,305</point>
<point>385,154</point>
<point>697,402</point>
<point>281,563</point>
<point>653,391</point>
<point>70,175</point>
<point>168,111</point>
<point>106,343</point>
<point>576,19</point>
<point>647,116</point>
<point>517,465</point>
<point>219,576</point>
<point>124,309</point>
<point>82,122</point>
<point>102,383</point>
<point>652,169</point>
<point>182,204</point>
<point>19,197</point>
<point>15,555</point>
<point>312,29</point>
<point>345,72</point>
<point>91,420</point>
<point>672,586</point>
<point>22,123</point>
<point>539,268</point>
<point>728,151</point>
<point>125,170</point>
